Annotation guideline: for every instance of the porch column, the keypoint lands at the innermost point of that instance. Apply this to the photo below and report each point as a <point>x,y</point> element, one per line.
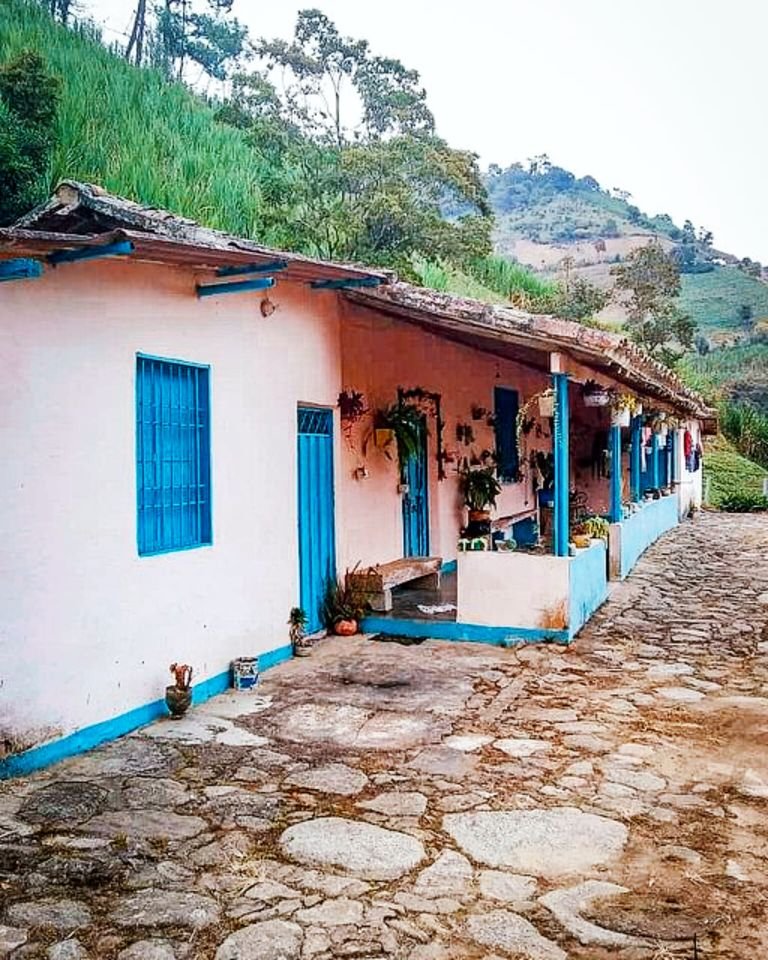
<point>561,519</point>
<point>615,442</point>
<point>636,461</point>
<point>655,461</point>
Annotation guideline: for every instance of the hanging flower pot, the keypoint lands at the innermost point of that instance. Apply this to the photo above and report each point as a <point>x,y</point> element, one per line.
<point>621,418</point>
<point>595,395</point>
<point>547,404</point>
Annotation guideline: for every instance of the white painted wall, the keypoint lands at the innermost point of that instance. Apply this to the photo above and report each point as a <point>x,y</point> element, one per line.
<point>512,589</point>
<point>88,627</point>
<point>691,486</point>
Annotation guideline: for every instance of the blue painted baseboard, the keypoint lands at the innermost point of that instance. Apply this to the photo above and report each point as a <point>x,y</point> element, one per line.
<point>448,567</point>
<point>469,632</point>
<point>89,737</point>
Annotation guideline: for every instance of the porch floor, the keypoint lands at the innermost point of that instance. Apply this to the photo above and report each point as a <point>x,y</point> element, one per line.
<point>407,599</point>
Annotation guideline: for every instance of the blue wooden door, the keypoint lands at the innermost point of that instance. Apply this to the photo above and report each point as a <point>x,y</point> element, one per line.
<point>416,502</point>
<point>317,542</point>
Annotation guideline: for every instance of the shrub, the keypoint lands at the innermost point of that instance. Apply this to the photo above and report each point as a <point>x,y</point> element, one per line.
<point>744,503</point>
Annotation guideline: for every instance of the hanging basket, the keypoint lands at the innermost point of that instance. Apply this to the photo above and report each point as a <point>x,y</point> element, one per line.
<point>547,405</point>
<point>600,398</point>
<point>621,418</point>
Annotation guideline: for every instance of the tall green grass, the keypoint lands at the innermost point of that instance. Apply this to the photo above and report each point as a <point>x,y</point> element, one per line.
<point>715,372</point>
<point>747,428</point>
<point>129,130</point>
<point>448,279</point>
<point>510,279</point>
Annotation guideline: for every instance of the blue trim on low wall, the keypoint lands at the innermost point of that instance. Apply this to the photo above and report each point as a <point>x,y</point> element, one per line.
<point>469,632</point>
<point>36,758</point>
<point>588,587</point>
<point>645,527</point>
<point>449,567</point>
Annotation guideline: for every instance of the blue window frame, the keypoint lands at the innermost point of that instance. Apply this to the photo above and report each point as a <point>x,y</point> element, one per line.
<point>173,442</point>
<point>506,405</point>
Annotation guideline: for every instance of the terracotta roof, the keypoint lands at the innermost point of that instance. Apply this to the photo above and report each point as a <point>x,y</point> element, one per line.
<point>81,214</point>
<point>496,327</point>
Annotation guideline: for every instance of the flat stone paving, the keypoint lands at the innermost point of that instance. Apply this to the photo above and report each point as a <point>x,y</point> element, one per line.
<point>436,802</point>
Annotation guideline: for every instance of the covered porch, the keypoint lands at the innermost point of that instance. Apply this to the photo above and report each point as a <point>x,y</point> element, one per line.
<point>580,434</point>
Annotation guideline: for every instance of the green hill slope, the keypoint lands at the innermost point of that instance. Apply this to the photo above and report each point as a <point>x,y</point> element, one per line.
<point>131,131</point>
<point>714,299</point>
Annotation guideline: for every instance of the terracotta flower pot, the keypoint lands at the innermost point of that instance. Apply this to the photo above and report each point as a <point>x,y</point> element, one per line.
<point>178,700</point>
<point>345,628</point>
<point>477,516</point>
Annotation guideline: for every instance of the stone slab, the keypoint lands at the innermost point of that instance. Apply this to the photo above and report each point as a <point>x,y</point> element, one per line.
<point>502,930</point>
<point>268,940</point>
<point>363,849</point>
<point>165,908</point>
<point>544,842</point>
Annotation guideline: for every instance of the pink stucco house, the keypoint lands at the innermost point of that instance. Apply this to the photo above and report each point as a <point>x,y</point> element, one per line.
<point>180,468</point>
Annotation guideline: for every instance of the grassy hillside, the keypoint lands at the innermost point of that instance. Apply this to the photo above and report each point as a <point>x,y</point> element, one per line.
<point>713,299</point>
<point>129,130</point>
<point>727,474</point>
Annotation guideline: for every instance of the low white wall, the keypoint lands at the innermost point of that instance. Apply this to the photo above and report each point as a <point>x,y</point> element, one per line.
<point>499,588</point>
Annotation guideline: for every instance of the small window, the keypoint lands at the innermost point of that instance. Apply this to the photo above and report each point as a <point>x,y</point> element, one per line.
<point>173,474</point>
<point>506,404</point>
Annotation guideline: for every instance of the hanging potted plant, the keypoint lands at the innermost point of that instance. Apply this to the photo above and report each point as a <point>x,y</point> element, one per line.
<point>624,407</point>
<point>547,403</point>
<point>595,394</point>
<point>178,696</point>
<point>297,621</point>
<point>402,424</point>
<point>480,489</point>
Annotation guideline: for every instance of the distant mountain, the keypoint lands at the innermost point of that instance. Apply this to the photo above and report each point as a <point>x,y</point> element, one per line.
<point>557,224</point>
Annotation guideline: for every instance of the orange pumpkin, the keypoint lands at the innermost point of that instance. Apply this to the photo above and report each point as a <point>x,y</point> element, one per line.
<point>345,628</point>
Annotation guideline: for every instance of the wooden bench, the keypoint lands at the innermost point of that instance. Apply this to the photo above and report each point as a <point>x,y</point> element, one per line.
<point>374,585</point>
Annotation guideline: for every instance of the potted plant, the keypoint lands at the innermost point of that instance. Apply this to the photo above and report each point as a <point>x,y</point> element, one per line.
<point>597,528</point>
<point>342,608</point>
<point>547,403</point>
<point>178,696</point>
<point>403,424</point>
<point>297,621</point>
<point>595,394</point>
<point>480,489</point>
<point>624,407</point>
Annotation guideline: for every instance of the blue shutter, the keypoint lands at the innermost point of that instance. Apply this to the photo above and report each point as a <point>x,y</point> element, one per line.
<point>173,473</point>
<point>506,403</point>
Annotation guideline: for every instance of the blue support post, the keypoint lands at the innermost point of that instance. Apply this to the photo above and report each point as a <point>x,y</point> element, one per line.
<point>615,508</point>
<point>655,461</point>
<point>636,460</point>
<point>561,519</point>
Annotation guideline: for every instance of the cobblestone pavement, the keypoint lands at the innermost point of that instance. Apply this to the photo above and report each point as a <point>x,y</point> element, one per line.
<point>437,800</point>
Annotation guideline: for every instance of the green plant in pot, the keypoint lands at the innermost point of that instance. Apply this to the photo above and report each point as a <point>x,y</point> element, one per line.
<point>480,490</point>
<point>406,424</point>
<point>178,696</point>
<point>297,621</point>
<point>343,608</point>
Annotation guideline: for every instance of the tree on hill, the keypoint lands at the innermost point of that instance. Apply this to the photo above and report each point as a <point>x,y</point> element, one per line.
<point>29,99</point>
<point>367,178</point>
<point>649,279</point>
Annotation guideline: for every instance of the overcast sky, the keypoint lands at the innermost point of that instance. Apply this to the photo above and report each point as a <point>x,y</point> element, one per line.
<point>664,98</point>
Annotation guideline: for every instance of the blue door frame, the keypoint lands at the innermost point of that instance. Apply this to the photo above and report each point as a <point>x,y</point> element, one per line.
<point>416,501</point>
<point>317,540</point>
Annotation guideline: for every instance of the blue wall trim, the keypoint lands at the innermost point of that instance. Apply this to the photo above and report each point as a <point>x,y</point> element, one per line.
<point>89,737</point>
<point>470,632</point>
<point>561,519</point>
<point>588,587</point>
<point>449,567</point>
<point>645,527</point>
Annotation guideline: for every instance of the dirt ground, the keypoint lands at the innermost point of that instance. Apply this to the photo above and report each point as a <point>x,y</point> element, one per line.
<point>436,801</point>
